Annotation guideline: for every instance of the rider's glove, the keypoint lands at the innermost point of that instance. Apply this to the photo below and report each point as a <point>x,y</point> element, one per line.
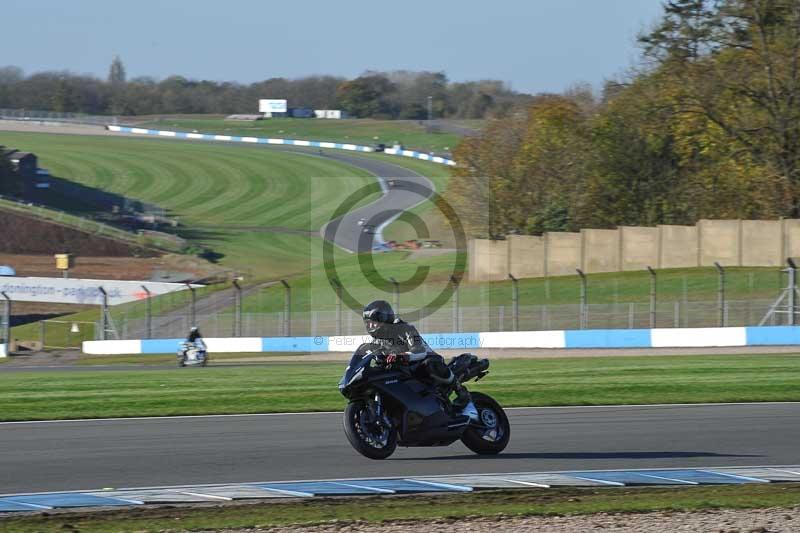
<point>399,358</point>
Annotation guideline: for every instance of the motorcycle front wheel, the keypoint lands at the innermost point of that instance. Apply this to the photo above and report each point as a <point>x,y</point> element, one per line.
<point>375,439</point>
<point>492,435</point>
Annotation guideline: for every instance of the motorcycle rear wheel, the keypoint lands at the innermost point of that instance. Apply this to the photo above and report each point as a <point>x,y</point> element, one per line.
<point>362,437</point>
<point>493,438</point>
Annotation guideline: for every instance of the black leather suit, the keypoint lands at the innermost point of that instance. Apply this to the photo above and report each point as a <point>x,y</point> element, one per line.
<point>401,337</point>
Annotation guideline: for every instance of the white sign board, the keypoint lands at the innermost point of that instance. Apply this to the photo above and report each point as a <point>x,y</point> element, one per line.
<point>81,291</point>
<point>272,106</point>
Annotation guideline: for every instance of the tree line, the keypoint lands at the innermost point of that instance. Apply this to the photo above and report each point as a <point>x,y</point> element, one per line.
<point>384,95</point>
<point>708,126</point>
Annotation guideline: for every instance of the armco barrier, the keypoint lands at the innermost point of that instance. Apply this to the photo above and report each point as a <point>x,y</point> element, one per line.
<point>599,338</point>
<point>269,140</point>
<point>420,155</point>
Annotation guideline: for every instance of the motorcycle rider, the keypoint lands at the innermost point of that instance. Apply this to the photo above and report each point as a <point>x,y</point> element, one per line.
<point>196,339</point>
<point>402,343</point>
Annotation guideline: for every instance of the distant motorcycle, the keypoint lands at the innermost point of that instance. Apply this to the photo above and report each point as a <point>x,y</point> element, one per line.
<point>390,406</point>
<point>189,354</point>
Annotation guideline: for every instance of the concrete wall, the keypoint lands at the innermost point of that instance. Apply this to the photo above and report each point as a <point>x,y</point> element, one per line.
<point>488,260</point>
<point>791,243</point>
<point>600,250</point>
<point>729,242</point>
<point>562,253</point>
<point>762,242</point>
<point>678,246</point>
<point>638,247</point>
<point>720,242</point>
<point>526,256</point>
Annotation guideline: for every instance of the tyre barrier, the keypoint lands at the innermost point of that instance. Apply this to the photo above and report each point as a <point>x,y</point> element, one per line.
<point>598,338</point>
<point>277,491</point>
<point>276,141</point>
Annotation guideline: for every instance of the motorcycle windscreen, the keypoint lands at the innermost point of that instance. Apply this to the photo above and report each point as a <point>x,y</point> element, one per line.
<point>356,366</point>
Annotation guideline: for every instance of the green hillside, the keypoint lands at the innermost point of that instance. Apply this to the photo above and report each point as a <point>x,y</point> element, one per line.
<point>252,205</point>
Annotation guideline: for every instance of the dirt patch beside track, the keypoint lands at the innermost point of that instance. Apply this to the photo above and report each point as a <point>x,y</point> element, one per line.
<point>727,521</point>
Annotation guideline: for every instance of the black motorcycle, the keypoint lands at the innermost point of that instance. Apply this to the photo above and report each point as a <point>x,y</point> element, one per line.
<point>393,405</point>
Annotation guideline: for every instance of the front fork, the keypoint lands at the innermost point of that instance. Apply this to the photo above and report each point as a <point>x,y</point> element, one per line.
<point>375,406</point>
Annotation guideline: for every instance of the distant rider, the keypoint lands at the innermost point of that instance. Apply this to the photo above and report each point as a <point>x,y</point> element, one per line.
<point>402,343</point>
<point>196,339</point>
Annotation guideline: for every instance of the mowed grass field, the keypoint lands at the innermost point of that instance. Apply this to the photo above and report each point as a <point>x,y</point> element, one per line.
<point>294,387</point>
<point>221,194</point>
<point>410,133</point>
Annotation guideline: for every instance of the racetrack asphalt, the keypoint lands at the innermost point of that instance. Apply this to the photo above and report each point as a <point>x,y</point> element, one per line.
<point>94,454</point>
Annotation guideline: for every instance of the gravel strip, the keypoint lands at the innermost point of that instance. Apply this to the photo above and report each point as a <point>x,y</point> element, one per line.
<point>716,521</point>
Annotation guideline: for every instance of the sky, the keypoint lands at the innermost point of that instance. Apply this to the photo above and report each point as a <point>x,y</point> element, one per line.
<point>534,45</point>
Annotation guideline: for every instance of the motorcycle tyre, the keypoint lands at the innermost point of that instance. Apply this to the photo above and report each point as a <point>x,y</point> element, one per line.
<point>473,440</point>
<point>365,449</point>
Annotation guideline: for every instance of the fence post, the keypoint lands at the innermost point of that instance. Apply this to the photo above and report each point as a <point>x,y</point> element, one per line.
<point>792,303</point>
<point>514,300</point>
<point>584,310</point>
<point>338,305</point>
<point>237,308</point>
<point>148,315</point>
<point>287,309</point>
<point>103,316</point>
<point>193,308</point>
<point>721,294</point>
<point>6,320</point>
<point>652,297</point>
<point>456,304</point>
<point>396,289</point>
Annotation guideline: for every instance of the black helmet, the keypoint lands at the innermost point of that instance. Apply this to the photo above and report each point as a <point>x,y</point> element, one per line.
<point>376,315</point>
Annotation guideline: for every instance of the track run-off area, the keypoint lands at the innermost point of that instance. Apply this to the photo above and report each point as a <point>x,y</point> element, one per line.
<point>139,452</point>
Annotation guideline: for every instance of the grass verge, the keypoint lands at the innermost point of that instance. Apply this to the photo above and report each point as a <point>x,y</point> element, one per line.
<point>490,504</point>
<point>295,387</point>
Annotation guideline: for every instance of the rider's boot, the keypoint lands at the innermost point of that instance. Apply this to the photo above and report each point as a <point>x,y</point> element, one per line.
<point>463,402</point>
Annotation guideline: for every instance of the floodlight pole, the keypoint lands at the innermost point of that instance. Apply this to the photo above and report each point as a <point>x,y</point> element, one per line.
<point>287,309</point>
<point>721,295</point>
<point>584,310</point>
<point>652,297</point>
<point>514,300</point>
<point>148,315</point>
